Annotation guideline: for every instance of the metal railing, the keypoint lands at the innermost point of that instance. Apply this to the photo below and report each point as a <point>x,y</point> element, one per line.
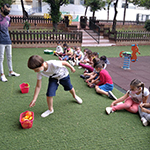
<point>95,28</point>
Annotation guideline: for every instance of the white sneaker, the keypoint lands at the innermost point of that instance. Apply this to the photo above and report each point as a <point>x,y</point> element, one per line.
<point>111,95</point>
<point>79,67</point>
<point>3,78</point>
<point>109,110</point>
<point>14,74</point>
<point>119,103</point>
<point>46,113</point>
<point>144,121</point>
<point>71,63</point>
<point>78,99</point>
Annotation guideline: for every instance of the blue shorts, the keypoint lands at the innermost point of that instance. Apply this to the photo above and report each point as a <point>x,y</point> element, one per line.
<point>106,87</point>
<point>53,85</point>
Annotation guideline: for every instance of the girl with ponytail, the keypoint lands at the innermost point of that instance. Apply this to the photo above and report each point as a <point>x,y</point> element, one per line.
<point>132,99</point>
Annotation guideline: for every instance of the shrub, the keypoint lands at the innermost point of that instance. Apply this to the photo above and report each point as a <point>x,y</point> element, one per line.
<point>147,25</point>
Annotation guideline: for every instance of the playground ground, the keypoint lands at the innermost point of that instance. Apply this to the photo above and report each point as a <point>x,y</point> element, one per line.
<point>139,69</point>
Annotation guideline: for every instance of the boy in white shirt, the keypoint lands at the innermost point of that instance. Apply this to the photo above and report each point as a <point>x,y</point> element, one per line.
<point>57,73</point>
<point>59,50</point>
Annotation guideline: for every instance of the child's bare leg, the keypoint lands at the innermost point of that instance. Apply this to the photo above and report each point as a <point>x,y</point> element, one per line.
<point>50,107</point>
<point>50,103</point>
<point>72,91</point>
<point>77,98</point>
<point>98,90</point>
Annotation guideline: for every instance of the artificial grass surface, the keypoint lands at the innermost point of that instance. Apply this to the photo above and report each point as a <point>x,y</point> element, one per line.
<point>72,126</point>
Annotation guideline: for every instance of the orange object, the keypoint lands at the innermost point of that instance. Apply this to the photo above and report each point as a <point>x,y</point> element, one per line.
<point>26,123</point>
<point>29,113</point>
<point>135,49</point>
<point>26,117</point>
<point>121,53</point>
<point>30,118</point>
<point>23,119</point>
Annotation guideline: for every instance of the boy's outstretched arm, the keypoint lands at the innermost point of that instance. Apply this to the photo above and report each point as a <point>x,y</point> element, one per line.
<point>65,63</point>
<point>36,92</point>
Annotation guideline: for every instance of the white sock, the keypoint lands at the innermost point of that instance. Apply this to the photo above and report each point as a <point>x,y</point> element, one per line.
<point>46,113</point>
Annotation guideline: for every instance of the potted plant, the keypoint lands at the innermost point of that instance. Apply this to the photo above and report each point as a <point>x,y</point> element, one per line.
<point>26,25</point>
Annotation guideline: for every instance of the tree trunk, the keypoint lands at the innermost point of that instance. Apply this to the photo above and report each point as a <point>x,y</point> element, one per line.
<point>93,14</point>
<point>86,10</point>
<point>114,20</point>
<point>125,12</point>
<point>108,12</point>
<point>54,26</point>
<point>25,14</point>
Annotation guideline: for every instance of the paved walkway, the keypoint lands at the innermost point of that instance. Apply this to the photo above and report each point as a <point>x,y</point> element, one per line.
<point>139,69</point>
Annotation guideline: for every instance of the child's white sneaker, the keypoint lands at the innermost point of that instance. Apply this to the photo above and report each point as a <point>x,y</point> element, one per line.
<point>3,78</point>
<point>78,99</point>
<point>111,95</point>
<point>46,113</point>
<point>14,74</point>
<point>144,121</point>
<point>109,110</point>
<point>119,103</point>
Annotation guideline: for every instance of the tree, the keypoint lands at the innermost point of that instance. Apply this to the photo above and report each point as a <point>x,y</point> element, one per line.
<point>108,6</point>
<point>124,15</point>
<point>142,3</point>
<point>25,14</point>
<point>55,10</point>
<point>6,2</point>
<point>96,5</point>
<point>114,20</point>
<point>86,4</point>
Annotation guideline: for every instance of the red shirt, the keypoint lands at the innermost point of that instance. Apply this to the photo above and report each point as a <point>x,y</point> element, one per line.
<point>104,77</point>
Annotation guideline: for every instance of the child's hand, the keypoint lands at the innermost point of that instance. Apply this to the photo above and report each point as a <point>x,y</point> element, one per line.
<point>73,70</point>
<point>32,103</point>
<point>112,104</point>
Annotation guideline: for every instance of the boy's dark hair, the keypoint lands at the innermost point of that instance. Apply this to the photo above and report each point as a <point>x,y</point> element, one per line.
<point>100,64</point>
<point>35,61</point>
<point>95,54</point>
<point>96,61</point>
<point>89,52</point>
<point>103,58</point>
<point>64,45</point>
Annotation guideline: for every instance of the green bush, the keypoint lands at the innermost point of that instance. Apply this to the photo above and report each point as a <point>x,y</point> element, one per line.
<point>147,25</point>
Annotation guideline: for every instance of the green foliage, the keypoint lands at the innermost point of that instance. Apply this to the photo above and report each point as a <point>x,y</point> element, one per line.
<point>142,3</point>
<point>147,25</point>
<point>96,5</point>
<point>55,9</point>
<point>6,1</point>
<point>26,25</point>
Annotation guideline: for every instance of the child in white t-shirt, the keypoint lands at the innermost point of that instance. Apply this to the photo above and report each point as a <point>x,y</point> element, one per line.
<point>57,73</point>
<point>59,50</point>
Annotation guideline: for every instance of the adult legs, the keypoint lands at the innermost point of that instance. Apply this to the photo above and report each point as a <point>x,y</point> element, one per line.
<point>9,57</point>
<point>2,50</point>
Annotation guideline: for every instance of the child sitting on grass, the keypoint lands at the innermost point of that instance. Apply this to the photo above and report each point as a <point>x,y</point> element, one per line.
<point>144,111</point>
<point>132,99</point>
<point>93,77</point>
<point>57,73</point>
<point>59,50</point>
<point>68,53</point>
<point>105,85</point>
<point>78,56</point>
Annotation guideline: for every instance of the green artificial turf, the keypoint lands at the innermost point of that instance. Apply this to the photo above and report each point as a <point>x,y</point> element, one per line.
<point>72,126</point>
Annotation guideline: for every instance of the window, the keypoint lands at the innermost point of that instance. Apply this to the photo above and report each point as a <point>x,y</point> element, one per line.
<point>71,1</point>
<point>123,5</point>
